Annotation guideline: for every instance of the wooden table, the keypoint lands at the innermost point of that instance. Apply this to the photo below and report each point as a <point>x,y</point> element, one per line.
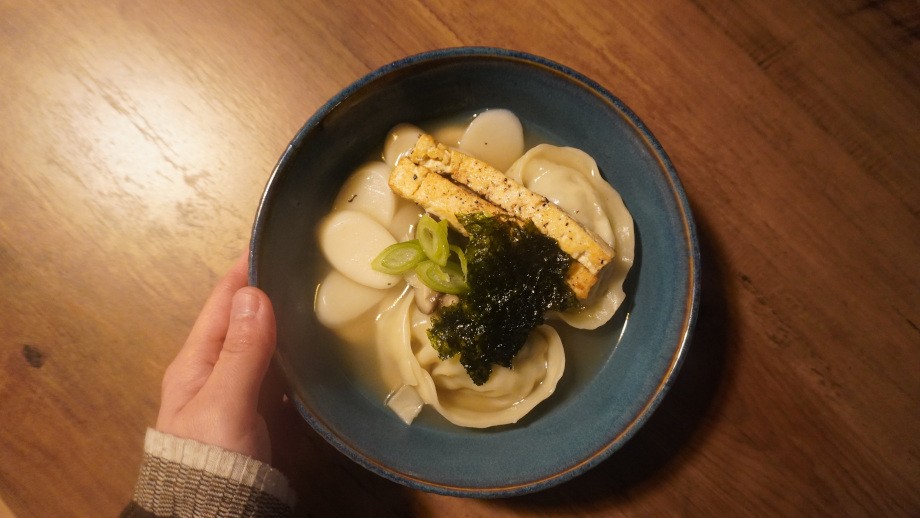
<point>137,137</point>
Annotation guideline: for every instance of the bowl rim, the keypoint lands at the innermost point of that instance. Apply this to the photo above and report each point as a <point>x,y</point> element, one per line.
<point>691,303</point>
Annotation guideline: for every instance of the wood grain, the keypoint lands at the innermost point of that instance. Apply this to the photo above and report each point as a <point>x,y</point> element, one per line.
<point>138,137</point>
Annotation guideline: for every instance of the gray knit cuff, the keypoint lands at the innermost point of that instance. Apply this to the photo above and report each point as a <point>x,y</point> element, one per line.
<point>182,477</point>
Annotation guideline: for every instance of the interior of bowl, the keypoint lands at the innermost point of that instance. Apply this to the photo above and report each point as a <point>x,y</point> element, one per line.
<point>604,396</point>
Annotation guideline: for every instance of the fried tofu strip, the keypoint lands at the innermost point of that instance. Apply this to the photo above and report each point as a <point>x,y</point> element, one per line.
<point>490,183</point>
<point>437,194</point>
<point>445,199</point>
<point>580,280</point>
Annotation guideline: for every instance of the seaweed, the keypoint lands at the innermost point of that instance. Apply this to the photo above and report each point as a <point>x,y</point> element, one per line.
<point>515,275</point>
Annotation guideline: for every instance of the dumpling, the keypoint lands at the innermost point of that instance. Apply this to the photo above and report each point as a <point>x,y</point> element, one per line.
<point>505,398</point>
<point>398,365</point>
<point>570,178</point>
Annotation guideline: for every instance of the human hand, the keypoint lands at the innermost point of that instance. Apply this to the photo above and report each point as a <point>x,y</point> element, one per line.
<point>210,391</point>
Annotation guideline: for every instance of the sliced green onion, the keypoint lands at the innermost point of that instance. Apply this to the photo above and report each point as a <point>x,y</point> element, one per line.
<point>445,279</point>
<point>461,257</point>
<point>399,258</point>
<point>432,235</point>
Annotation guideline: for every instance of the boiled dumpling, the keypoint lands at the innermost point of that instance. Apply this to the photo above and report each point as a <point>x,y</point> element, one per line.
<point>566,176</point>
<point>398,365</point>
<point>508,395</point>
<point>505,398</point>
<point>570,178</point>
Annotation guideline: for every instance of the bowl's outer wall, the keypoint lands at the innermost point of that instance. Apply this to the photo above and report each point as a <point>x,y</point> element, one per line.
<point>603,403</point>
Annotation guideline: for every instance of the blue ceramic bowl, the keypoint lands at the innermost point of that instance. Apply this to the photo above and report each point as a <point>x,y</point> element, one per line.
<point>606,393</point>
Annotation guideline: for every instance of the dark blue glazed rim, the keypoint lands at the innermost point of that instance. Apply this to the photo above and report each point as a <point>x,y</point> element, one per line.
<point>605,403</point>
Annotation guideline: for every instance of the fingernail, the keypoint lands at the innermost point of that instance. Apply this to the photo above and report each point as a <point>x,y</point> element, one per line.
<point>245,305</point>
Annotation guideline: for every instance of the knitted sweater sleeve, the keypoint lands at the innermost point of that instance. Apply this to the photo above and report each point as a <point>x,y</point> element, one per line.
<point>185,478</point>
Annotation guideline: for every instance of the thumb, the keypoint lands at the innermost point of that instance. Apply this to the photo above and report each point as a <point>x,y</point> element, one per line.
<point>246,352</point>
